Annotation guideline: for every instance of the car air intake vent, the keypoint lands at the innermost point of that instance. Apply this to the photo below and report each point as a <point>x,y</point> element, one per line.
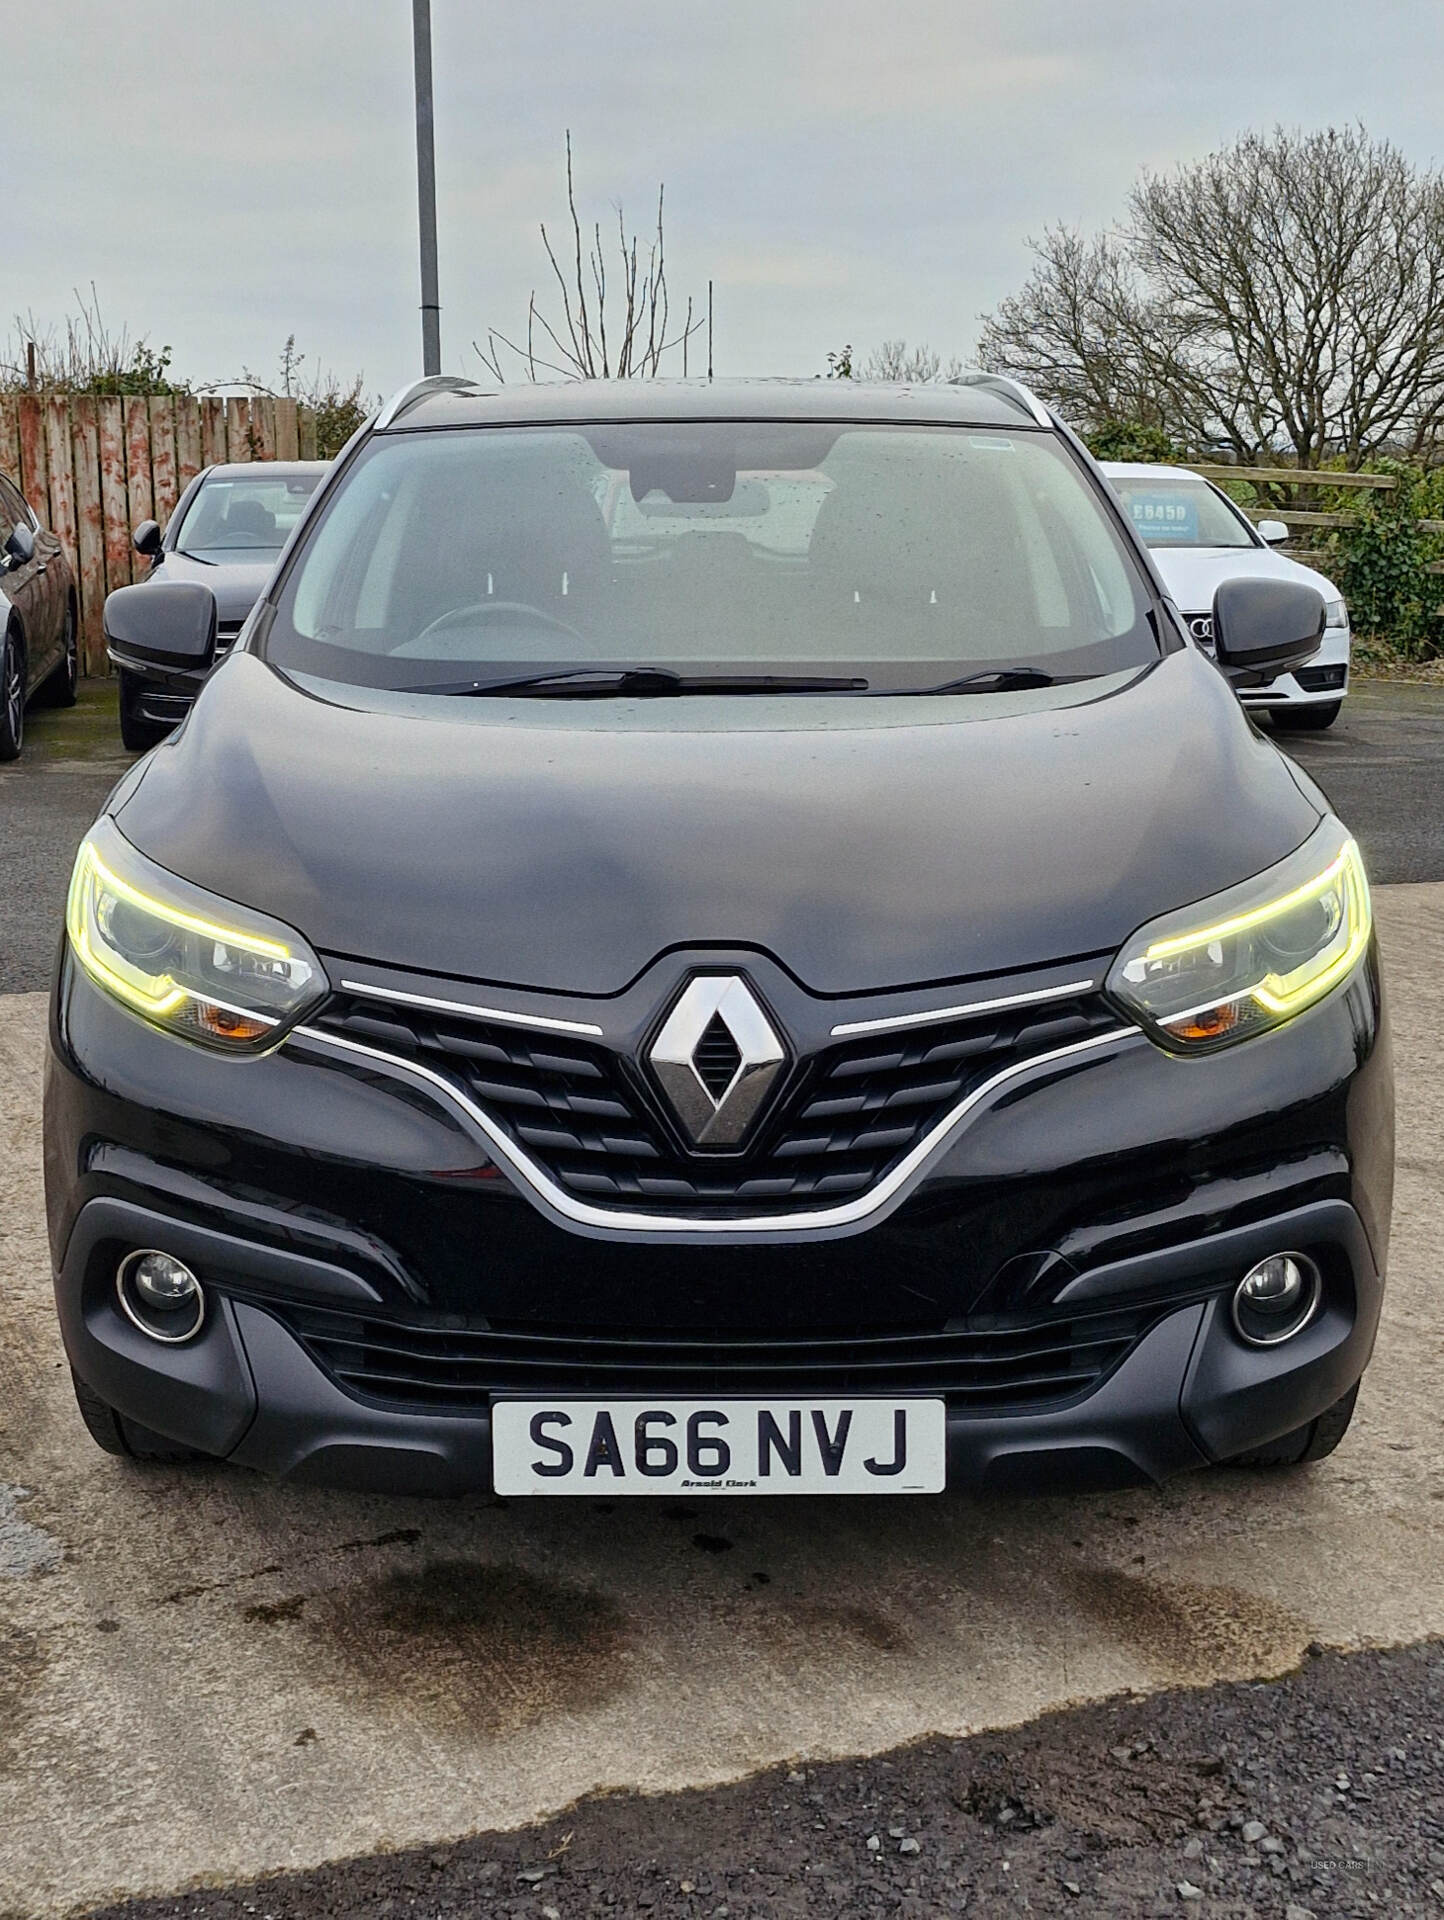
<point>589,1118</point>
<point>227,634</point>
<point>445,1362</point>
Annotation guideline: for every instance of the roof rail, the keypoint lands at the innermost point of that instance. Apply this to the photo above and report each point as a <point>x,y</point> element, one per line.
<point>408,395</point>
<point>1014,389</point>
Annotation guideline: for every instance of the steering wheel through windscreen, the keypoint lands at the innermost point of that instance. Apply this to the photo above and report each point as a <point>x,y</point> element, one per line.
<point>459,618</point>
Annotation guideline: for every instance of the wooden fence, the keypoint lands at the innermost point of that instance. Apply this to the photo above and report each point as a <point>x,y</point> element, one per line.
<point>1311,480</point>
<point>94,467</point>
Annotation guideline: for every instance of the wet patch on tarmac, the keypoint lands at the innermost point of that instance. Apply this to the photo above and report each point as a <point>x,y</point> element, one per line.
<point>818,1627</point>
<point>466,1645</point>
<point>1190,1635</point>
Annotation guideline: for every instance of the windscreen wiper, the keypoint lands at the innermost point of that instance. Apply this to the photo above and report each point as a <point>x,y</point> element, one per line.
<point>580,683</point>
<point>991,680</point>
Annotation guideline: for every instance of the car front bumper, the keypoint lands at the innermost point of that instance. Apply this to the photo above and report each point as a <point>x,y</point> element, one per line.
<point>1322,682</point>
<point>375,1280</point>
<point>163,699</point>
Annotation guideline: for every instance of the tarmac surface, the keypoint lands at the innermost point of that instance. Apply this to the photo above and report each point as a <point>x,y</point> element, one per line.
<point>1319,1794</point>
<point>205,1677</point>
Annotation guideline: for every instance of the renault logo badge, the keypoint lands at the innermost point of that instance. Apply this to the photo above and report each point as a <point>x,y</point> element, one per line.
<point>716,1059</point>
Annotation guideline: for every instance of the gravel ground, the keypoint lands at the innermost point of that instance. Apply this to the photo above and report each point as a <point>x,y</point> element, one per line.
<point>1319,1794</point>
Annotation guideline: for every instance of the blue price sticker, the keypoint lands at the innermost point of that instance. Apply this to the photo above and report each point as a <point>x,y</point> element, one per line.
<point>1164,518</point>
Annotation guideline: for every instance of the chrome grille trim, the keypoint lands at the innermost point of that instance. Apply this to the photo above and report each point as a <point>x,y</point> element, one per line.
<point>611,1223</point>
<point>503,1016</point>
<point>895,1022</point>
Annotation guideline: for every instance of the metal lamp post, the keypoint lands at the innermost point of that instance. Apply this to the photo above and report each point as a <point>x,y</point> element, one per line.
<point>426,188</point>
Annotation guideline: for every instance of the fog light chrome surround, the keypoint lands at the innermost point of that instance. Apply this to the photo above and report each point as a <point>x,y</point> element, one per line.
<point>1276,1299</point>
<point>160,1296</point>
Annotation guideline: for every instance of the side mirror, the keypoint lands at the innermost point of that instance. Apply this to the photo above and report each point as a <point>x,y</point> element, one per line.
<point>171,627</point>
<point>20,547</point>
<point>1272,532</point>
<point>147,538</point>
<point>1262,628</point>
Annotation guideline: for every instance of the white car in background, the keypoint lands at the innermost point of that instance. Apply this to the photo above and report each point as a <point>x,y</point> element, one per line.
<point>1199,538</point>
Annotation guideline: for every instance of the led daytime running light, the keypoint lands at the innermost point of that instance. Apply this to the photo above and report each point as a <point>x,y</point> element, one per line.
<point>1274,945</point>
<point>161,950</point>
<point>208,929</point>
<point>1271,910</point>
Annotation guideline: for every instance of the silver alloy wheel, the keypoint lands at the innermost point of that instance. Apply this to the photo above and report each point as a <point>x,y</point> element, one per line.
<point>14,693</point>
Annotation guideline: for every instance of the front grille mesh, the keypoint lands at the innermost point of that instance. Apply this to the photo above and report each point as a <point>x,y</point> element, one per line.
<point>841,1120</point>
<point>445,1362</point>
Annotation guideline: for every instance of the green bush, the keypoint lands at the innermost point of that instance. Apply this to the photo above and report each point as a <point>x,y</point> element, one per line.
<point>339,411</point>
<point>1382,562</point>
<point>1131,440</point>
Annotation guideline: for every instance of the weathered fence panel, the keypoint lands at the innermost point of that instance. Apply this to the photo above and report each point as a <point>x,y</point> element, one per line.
<point>114,511</point>
<point>94,467</point>
<point>237,421</point>
<point>139,490</point>
<point>187,440</point>
<point>263,426</point>
<point>165,493</point>
<point>9,437</point>
<point>33,473</point>
<point>213,430</point>
<point>60,476</point>
<point>1293,476</point>
<point>90,513</point>
<point>288,440</point>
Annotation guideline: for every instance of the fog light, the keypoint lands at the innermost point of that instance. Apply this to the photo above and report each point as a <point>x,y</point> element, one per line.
<point>1276,1299</point>
<point>160,1295</point>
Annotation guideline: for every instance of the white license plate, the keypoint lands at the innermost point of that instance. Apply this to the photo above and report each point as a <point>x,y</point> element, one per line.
<point>611,1447</point>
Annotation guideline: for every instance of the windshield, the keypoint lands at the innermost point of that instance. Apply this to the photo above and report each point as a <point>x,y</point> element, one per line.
<point>1169,512</point>
<point>254,513</point>
<point>904,556</point>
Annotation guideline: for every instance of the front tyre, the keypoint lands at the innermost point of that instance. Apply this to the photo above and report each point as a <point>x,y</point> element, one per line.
<point>113,1433</point>
<point>1315,1440</point>
<point>1306,719</point>
<point>60,689</point>
<point>138,734</point>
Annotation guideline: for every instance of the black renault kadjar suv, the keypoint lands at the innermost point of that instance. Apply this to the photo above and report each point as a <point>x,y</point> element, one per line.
<point>718,937</point>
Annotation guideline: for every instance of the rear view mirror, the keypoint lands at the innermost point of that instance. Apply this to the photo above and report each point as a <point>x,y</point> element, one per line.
<point>20,547</point>
<point>147,538</point>
<point>1262,628</point>
<point>172,627</point>
<point>1272,532</point>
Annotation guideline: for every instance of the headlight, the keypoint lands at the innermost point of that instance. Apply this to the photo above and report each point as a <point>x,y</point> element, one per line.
<point>1253,957</point>
<point>1336,614</point>
<point>181,957</point>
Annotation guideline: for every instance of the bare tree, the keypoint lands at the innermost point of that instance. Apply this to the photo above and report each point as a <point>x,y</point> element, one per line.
<point>915,366</point>
<point>1286,293</point>
<point>1085,333</point>
<point>606,329</point>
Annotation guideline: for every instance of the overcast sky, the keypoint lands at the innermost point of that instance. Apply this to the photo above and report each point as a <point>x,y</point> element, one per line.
<point>229,174</point>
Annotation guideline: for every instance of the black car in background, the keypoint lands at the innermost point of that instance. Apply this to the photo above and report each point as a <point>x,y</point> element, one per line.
<point>227,529</point>
<point>718,938</point>
<point>39,626</point>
